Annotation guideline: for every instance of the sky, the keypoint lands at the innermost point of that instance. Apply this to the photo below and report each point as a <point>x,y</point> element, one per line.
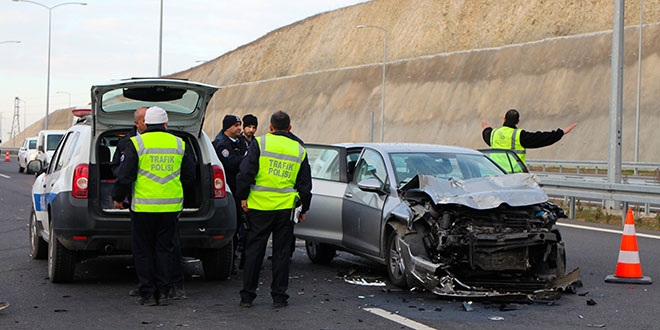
<point>107,40</point>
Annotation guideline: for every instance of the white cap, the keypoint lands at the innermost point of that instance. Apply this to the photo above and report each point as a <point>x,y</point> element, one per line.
<point>155,115</point>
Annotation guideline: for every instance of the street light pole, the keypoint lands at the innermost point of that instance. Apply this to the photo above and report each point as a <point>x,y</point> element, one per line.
<point>382,100</point>
<point>50,11</point>
<point>69,94</point>
<point>160,42</point>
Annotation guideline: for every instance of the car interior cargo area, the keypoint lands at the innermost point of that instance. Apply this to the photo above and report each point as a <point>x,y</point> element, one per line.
<point>106,147</point>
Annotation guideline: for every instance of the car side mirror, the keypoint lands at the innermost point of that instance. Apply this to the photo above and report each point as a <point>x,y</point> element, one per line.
<point>35,166</point>
<point>371,185</point>
<point>40,148</point>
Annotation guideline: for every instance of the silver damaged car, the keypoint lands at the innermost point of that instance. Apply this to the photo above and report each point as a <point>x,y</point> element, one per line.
<point>446,219</point>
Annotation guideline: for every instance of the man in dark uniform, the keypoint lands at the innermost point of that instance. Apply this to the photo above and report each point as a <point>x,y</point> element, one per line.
<point>231,149</point>
<point>177,291</point>
<point>509,136</point>
<point>275,177</point>
<point>250,124</point>
<point>153,170</point>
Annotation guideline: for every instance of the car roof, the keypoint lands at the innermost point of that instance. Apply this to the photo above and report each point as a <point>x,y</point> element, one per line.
<point>411,147</point>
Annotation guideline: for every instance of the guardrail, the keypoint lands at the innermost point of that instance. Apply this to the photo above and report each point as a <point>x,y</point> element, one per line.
<point>13,151</point>
<point>574,190</point>
<point>596,165</point>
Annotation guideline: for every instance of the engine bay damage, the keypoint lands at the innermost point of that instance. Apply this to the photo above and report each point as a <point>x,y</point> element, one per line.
<point>485,237</point>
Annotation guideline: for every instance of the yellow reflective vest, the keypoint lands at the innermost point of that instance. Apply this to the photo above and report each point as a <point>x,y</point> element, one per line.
<point>158,188</point>
<point>279,162</point>
<point>507,138</point>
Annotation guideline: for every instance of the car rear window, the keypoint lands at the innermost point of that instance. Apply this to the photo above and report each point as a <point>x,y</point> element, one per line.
<point>171,99</point>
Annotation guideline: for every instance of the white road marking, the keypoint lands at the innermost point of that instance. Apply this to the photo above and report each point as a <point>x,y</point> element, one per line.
<point>398,319</point>
<point>5,176</point>
<point>605,230</point>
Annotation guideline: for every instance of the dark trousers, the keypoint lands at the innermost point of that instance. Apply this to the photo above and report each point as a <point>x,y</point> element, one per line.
<point>177,261</point>
<point>152,239</point>
<point>262,224</point>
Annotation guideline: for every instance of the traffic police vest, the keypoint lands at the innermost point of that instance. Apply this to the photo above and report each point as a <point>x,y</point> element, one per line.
<point>279,163</point>
<point>158,188</point>
<point>507,138</point>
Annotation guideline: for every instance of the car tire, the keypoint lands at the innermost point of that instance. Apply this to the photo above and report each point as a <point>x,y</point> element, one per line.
<point>21,169</point>
<point>320,253</point>
<point>38,247</point>
<point>396,269</point>
<point>61,261</point>
<point>218,263</point>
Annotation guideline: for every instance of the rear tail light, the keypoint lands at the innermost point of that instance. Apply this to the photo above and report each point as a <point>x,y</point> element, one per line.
<point>219,182</point>
<point>80,181</point>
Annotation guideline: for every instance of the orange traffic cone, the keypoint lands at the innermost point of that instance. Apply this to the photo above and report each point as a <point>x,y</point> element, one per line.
<point>628,268</point>
<point>7,156</point>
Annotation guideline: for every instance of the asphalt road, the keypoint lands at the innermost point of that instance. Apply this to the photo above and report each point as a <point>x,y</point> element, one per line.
<point>320,298</point>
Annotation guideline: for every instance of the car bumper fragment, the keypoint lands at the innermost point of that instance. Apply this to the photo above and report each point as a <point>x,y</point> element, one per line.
<point>426,272</point>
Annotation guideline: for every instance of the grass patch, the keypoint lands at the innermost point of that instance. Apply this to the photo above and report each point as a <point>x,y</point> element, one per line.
<point>596,214</point>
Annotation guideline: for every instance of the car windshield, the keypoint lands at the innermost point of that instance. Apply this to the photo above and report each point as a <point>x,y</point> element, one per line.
<point>52,141</point>
<point>171,99</point>
<point>32,144</point>
<point>442,165</point>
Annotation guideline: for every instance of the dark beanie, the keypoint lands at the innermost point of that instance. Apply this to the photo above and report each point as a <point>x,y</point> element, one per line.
<point>250,119</point>
<point>229,121</point>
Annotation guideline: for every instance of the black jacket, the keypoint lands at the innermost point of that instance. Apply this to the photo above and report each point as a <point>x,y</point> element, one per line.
<point>530,140</point>
<point>128,168</point>
<point>121,147</point>
<point>250,168</point>
<point>231,154</point>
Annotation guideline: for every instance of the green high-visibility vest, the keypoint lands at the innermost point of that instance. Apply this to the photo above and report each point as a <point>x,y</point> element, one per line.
<point>158,188</point>
<point>507,138</point>
<point>279,163</point>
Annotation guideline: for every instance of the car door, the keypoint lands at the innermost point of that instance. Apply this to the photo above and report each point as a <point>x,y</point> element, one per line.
<point>362,210</point>
<point>46,186</point>
<point>329,177</point>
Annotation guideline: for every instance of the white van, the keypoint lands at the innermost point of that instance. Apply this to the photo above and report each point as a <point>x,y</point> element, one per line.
<point>47,141</point>
<point>27,152</point>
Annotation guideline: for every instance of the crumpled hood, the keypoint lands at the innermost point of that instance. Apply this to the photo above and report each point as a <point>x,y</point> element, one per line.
<point>517,189</point>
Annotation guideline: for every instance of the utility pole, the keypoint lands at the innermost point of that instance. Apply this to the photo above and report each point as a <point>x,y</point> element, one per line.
<point>16,123</point>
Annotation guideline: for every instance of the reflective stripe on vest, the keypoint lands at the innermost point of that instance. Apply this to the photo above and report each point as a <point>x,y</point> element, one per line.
<point>279,163</point>
<point>157,188</point>
<point>508,138</point>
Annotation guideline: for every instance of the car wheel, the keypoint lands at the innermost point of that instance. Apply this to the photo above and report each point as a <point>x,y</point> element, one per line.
<point>218,263</point>
<point>38,247</point>
<point>21,169</point>
<point>61,261</point>
<point>396,269</point>
<point>320,253</point>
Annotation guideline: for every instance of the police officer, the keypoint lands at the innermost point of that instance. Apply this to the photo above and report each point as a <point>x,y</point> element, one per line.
<point>509,136</point>
<point>273,177</point>
<point>153,169</point>
<point>250,124</point>
<point>177,291</point>
<point>231,149</point>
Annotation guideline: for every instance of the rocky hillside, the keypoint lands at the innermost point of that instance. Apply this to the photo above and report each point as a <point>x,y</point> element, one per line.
<point>450,64</point>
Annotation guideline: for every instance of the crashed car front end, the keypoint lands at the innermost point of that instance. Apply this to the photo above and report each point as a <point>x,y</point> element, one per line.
<point>490,236</point>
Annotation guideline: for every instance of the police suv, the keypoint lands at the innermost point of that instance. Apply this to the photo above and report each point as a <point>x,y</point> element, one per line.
<point>73,217</point>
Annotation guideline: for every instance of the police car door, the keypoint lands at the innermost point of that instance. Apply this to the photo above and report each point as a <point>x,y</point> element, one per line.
<point>47,185</point>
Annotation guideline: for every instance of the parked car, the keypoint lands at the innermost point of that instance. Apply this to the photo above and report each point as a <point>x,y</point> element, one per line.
<point>47,141</point>
<point>73,217</point>
<point>447,219</point>
<point>26,153</point>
